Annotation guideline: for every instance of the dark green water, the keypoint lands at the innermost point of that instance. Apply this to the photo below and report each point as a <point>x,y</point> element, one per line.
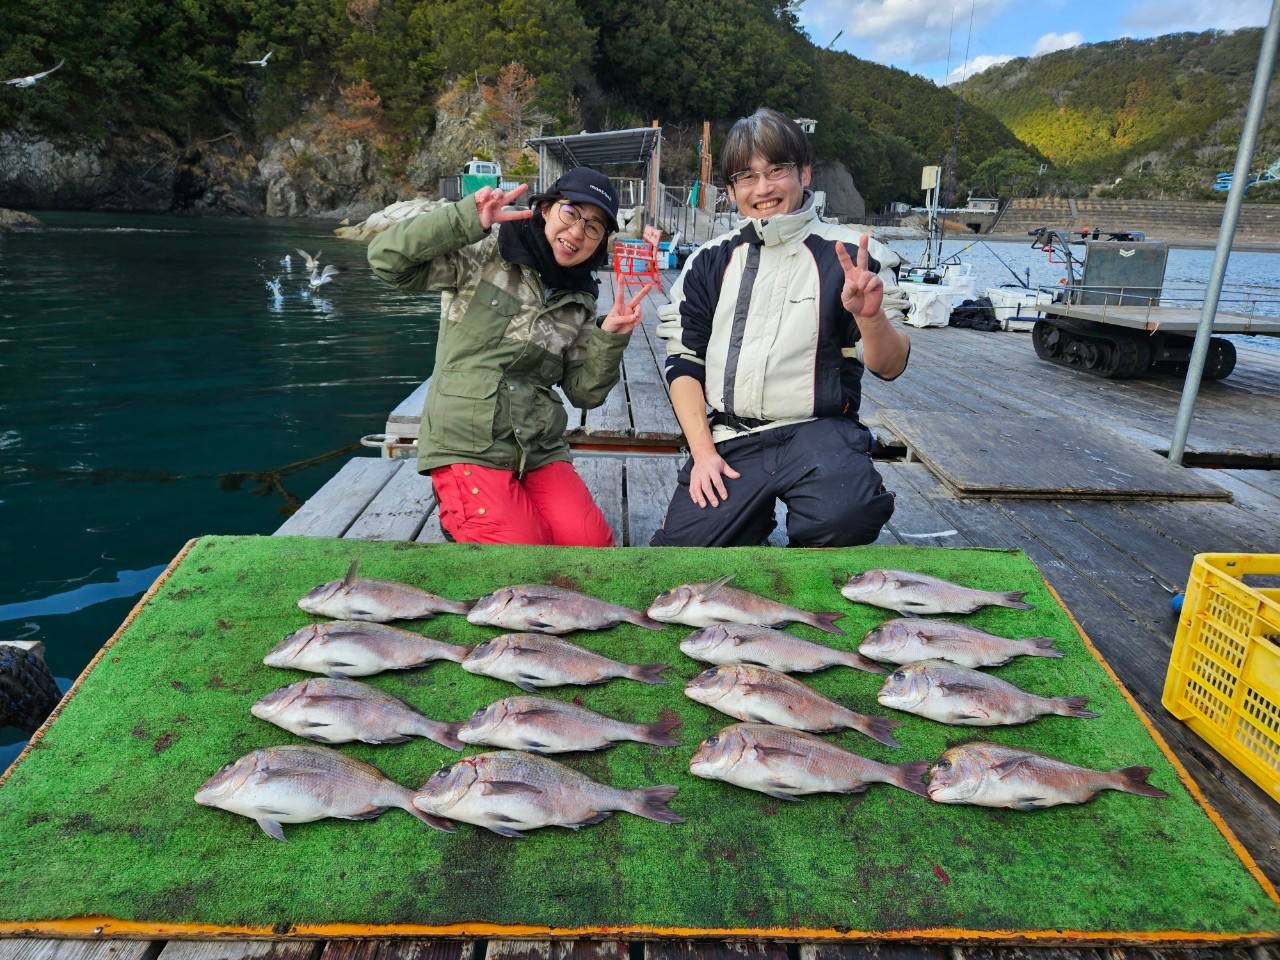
<point>143,362</point>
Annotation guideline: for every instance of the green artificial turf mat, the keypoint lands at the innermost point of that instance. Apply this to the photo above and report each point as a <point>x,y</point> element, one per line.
<point>98,819</point>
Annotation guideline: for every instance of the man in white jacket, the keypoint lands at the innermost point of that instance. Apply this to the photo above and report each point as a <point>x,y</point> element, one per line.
<point>771,326</point>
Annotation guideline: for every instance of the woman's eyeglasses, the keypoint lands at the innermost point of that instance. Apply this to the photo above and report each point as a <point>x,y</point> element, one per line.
<point>569,215</point>
<point>749,178</point>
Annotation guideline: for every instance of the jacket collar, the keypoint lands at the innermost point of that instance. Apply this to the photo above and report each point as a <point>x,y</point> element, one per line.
<point>784,228</point>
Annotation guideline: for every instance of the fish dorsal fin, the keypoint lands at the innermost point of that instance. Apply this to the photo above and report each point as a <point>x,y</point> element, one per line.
<point>495,788</point>
<point>350,578</point>
<point>712,588</point>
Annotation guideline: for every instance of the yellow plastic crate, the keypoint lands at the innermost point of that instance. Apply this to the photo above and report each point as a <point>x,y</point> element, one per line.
<point>1224,674</point>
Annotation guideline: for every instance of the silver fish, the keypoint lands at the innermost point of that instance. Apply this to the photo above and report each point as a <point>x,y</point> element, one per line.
<point>788,764</point>
<point>705,603</point>
<point>340,711</point>
<point>547,609</point>
<point>349,648</point>
<point>919,593</point>
<point>767,647</point>
<point>530,660</point>
<point>299,784</point>
<point>507,792</point>
<point>950,693</point>
<point>365,598</point>
<point>765,696</point>
<point>989,775</point>
<point>910,639</point>
<point>540,725</point>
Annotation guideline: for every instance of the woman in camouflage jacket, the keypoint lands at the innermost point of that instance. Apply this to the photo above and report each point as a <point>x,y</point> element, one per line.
<point>517,318</point>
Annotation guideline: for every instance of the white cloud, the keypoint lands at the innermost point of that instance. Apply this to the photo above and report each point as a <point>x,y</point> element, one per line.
<point>1056,41</point>
<point>977,65</point>
<point>904,32</point>
<point>1151,17</point>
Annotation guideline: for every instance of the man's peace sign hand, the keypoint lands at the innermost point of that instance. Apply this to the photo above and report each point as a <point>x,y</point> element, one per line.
<point>863,290</point>
<point>625,314</point>
<point>490,202</point>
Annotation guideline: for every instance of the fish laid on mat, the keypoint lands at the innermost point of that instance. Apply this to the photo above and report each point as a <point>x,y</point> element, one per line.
<point>341,711</point>
<point>788,764</point>
<point>530,660</point>
<point>350,648</point>
<point>950,693</point>
<point>908,592</point>
<point>746,643</point>
<point>547,609</point>
<point>989,775</point>
<point>911,639</point>
<point>300,784</point>
<point>364,598</point>
<point>508,791</point>
<point>766,696</point>
<point>714,601</point>
<point>541,725</point>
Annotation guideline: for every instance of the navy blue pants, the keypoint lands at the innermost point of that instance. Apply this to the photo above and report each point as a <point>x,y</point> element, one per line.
<point>821,470</point>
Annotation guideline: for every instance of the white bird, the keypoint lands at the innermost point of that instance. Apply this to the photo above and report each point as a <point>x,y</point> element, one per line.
<point>312,263</point>
<point>259,63</point>
<point>287,263</point>
<point>32,80</point>
<point>320,277</point>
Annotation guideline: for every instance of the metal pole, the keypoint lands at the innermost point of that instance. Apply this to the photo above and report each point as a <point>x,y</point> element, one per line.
<point>1227,232</point>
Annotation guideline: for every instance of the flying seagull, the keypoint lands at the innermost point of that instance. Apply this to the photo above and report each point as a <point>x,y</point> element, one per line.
<point>312,264</point>
<point>259,63</point>
<point>320,278</point>
<point>32,80</point>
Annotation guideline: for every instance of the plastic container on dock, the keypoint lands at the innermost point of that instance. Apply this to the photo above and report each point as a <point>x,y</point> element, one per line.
<point>1224,673</point>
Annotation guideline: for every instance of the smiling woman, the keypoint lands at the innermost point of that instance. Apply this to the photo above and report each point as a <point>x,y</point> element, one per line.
<point>518,319</point>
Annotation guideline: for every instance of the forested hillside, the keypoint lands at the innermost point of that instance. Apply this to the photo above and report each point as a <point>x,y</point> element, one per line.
<point>1163,114</point>
<point>384,72</point>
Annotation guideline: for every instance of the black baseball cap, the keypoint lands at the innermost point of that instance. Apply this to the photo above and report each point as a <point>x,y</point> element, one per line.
<point>585,185</point>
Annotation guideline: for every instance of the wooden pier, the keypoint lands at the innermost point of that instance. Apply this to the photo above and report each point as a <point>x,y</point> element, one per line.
<point>1115,563</point>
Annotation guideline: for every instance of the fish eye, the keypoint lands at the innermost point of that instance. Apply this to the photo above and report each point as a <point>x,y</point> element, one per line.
<point>479,713</point>
<point>943,764</point>
<point>444,771</point>
<point>711,741</point>
<point>899,675</point>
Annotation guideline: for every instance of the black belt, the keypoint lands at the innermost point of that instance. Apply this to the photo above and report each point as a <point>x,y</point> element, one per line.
<point>734,422</point>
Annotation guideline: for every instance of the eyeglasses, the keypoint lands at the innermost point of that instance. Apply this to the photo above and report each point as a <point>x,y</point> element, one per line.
<point>749,178</point>
<point>594,229</point>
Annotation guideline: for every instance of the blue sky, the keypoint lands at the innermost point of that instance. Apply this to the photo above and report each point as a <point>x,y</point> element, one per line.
<point>913,34</point>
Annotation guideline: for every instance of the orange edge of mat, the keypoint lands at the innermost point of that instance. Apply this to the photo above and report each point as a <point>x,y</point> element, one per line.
<point>103,927</point>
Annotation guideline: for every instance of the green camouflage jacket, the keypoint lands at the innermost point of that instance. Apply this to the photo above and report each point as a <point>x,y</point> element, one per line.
<point>504,343</point>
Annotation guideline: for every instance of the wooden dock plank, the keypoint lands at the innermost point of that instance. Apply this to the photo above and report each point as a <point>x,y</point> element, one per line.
<point>715,950</point>
<point>603,477</point>
<point>400,508</point>
<point>337,504</point>
<point>398,950</point>
<point>557,950</point>
<point>650,483</point>
<point>914,516</point>
<point>873,951</point>
<point>240,950</point>
<point>19,949</point>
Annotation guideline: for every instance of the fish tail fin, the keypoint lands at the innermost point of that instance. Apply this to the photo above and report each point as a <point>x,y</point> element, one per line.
<point>1134,780</point>
<point>659,732</point>
<point>446,734</point>
<point>456,653</point>
<point>648,672</point>
<point>1073,707</point>
<point>651,803</point>
<point>879,729</point>
<point>438,823</point>
<point>462,607</point>
<point>825,621</point>
<point>859,662</point>
<point>644,620</point>
<point>1041,647</point>
<point>1013,599</point>
<point>909,777</point>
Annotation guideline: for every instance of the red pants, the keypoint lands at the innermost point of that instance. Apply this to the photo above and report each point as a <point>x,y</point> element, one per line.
<point>550,505</point>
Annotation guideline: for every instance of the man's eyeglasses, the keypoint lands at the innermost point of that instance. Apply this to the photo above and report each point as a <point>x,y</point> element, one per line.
<point>749,178</point>
<point>569,215</point>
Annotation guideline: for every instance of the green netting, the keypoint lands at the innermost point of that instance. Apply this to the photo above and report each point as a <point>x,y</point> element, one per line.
<point>99,818</point>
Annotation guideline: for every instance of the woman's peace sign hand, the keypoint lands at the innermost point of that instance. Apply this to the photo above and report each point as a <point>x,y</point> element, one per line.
<point>491,200</point>
<point>863,290</point>
<point>625,314</point>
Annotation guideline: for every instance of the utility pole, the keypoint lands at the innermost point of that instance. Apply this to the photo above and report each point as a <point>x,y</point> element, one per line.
<point>707,193</point>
